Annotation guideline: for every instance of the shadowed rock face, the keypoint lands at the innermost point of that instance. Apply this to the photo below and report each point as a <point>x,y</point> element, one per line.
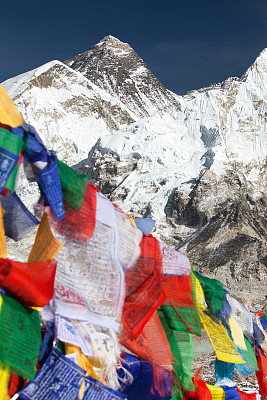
<point>229,232</point>
<point>115,67</point>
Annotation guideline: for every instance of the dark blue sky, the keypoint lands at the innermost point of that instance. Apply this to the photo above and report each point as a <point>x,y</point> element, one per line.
<point>186,44</point>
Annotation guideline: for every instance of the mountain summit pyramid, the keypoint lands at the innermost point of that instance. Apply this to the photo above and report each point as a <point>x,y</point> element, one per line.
<point>115,67</point>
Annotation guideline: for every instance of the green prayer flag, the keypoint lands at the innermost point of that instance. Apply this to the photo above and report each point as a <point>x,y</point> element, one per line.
<point>249,354</point>
<point>20,338</point>
<point>214,293</point>
<point>73,185</point>
<point>188,314</point>
<point>13,145</point>
<point>181,344</point>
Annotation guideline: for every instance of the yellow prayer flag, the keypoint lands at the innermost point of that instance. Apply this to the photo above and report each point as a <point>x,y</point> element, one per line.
<point>216,392</point>
<point>83,363</point>
<point>220,340</point>
<point>9,115</point>
<point>46,246</point>
<point>237,334</point>
<point>200,298</point>
<point>4,381</point>
<point>3,248</point>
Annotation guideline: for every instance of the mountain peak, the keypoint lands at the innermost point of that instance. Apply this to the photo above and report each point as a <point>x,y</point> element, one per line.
<point>112,43</point>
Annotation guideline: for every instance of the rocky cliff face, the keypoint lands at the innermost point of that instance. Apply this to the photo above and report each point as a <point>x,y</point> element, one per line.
<point>115,67</point>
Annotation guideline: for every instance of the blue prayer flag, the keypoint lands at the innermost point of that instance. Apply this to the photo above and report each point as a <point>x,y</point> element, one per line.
<point>224,370</point>
<point>231,393</point>
<point>145,225</point>
<point>58,379</point>
<point>95,390</point>
<point>50,184</point>
<point>18,220</point>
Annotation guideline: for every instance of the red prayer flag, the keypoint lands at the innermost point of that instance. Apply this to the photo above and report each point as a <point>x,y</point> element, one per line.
<point>246,396</point>
<point>31,283</point>
<point>77,224</point>
<point>143,290</point>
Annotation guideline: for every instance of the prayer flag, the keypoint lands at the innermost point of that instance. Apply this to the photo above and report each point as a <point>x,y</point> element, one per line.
<point>214,293</point>
<point>10,147</point>
<point>73,186</point>
<point>31,283</point>
<point>145,225</point>
<point>221,342</point>
<point>59,378</point>
<point>89,282</point>
<point>20,338</point>
<point>173,262</point>
<point>230,393</point>
<point>142,377</point>
<point>69,333</point>
<point>95,390</point>
<point>216,392</point>
<point>78,224</point>
<point>3,248</point>
<point>4,381</point>
<point>18,220</point>
<point>46,246</point>
<point>50,184</point>
<point>224,370</point>
<point>9,114</point>
<point>143,290</point>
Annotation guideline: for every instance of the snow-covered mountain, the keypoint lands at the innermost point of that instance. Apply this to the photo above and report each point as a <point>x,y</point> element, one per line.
<point>195,163</point>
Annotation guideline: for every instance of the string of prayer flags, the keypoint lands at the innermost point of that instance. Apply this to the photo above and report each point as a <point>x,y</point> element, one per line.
<point>143,290</point>
<point>67,332</point>
<point>73,186</point>
<point>78,224</point>
<point>31,283</point>
<point>3,248</point>
<point>20,338</point>
<point>173,262</point>
<point>10,148</point>
<point>50,184</point>
<point>58,378</point>
<point>145,225</point>
<point>18,220</point>
<point>46,246</point>
<point>9,114</point>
